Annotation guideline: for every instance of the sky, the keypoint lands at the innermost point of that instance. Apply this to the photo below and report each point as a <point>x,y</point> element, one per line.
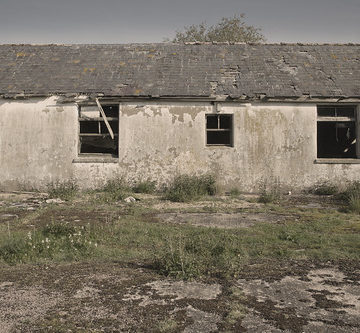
<point>147,21</point>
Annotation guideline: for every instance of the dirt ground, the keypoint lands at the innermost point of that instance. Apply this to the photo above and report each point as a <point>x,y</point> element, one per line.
<point>270,296</point>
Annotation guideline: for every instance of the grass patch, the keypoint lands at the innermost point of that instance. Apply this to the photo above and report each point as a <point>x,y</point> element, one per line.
<point>186,188</point>
<point>351,197</point>
<point>130,233</point>
<point>146,186</point>
<point>64,190</point>
<point>324,188</point>
<point>114,190</point>
<point>270,195</point>
<point>234,192</point>
<point>55,241</point>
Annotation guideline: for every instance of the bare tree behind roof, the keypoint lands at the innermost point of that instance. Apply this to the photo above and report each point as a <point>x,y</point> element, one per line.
<point>229,29</point>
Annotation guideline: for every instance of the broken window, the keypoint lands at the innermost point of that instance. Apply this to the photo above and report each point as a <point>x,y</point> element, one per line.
<point>336,131</point>
<point>219,129</point>
<point>99,129</point>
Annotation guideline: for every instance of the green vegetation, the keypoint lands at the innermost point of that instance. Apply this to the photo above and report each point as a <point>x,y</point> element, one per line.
<point>114,190</point>
<point>129,234</point>
<point>99,230</point>
<point>65,190</point>
<point>146,186</point>
<point>234,192</point>
<point>55,241</point>
<point>270,195</point>
<point>324,188</point>
<point>351,197</point>
<point>228,29</point>
<point>186,188</point>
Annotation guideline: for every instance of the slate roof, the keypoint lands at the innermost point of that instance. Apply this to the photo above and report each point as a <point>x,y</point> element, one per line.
<point>240,70</point>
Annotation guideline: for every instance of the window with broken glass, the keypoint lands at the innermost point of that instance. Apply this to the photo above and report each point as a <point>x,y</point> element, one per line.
<point>219,129</point>
<point>337,131</point>
<point>98,130</point>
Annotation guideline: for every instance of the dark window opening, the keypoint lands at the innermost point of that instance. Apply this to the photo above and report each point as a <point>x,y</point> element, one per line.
<point>219,129</point>
<point>95,137</point>
<point>336,132</point>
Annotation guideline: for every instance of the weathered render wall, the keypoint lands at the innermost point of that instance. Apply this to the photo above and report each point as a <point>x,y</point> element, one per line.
<point>37,142</point>
<point>158,140</point>
<point>272,143</point>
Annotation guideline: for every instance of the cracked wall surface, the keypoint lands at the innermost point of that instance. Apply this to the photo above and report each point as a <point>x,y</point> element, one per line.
<point>272,142</point>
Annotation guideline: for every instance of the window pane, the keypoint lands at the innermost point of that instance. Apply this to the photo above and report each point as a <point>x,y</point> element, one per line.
<point>225,121</point>
<point>326,111</point>
<point>104,145</point>
<point>218,138</point>
<point>111,110</point>
<point>89,127</point>
<point>114,124</point>
<point>336,111</point>
<point>345,111</point>
<point>212,121</point>
<point>336,139</point>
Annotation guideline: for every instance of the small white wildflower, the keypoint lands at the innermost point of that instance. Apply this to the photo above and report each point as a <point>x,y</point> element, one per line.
<point>42,241</point>
<point>29,235</point>
<point>34,247</point>
<point>47,246</point>
<point>47,240</point>
<point>90,242</point>
<point>95,244</point>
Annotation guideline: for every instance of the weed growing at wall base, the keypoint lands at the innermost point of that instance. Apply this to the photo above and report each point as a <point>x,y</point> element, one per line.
<point>114,190</point>
<point>64,190</point>
<point>146,186</point>
<point>185,188</point>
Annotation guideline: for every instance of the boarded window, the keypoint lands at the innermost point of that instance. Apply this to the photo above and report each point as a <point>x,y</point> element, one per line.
<point>336,131</point>
<point>95,137</point>
<point>219,129</point>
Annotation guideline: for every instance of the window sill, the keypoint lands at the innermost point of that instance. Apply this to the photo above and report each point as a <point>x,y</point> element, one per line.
<point>337,161</point>
<point>219,146</point>
<point>95,159</point>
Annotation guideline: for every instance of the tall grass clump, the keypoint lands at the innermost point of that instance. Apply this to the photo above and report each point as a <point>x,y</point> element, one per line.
<point>186,188</point>
<point>324,188</point>
<point>146,186</point>
<point>204,252</point>
<point>114,190</point>
<point>64,190</point>
<point>351,197</point>
<point>55,241</point>
<point>270,194</point>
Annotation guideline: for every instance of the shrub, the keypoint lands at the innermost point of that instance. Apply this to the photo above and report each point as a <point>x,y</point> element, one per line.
<point>324,188</point>
<point>351,197</point>
<point>115,190</point>
<point>54,241</point>
<point>185,188</point>
<point>234,192</point>
<point>146,186</point>
<point>14,250</point>
<point>271,195</point>
<point>352,191</point>
<point>354,204</point>
<point>64,190</point>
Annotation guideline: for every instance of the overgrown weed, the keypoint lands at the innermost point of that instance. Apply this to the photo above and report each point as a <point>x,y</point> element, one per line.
<point>270,194</point>
<point>351,197</point>
<point>324,188</point>
<point>114,190</point>
<point>186,188</point>
<point>234,192</point>
<point>146,186</point>
<point>64,190</point>
<point>55,241</point>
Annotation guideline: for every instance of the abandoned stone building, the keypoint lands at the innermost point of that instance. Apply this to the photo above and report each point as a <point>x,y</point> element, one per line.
<point>248,114</point>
